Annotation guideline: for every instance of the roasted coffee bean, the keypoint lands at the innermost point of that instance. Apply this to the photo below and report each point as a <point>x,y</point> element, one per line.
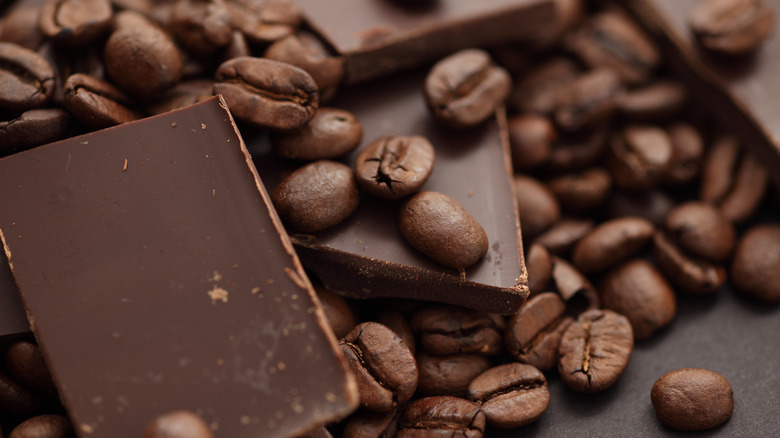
<point>444,330</point>
<point>267,93</point>
<point>252,26</point>
<point>26,79</point>
<point>331,133</point>
<point>538,262</point>
<point>97,103</point>
<point>317,196</point>
<point>510,395</point>
<point>25,362</point>
<point>687,154</point>
<point>638,291</point>
<point>384,368</point>
<point>306,51</point>
<point>369,424</point>
<point>438,226</point>
<point>731,26</point>
<point>144,7</point>
<point>689,274</point>
<point>692,399</point>
<point>595,350</point>
<point>20,26</point>
<point>652,205</point>
<point>16,401</point>
<point>449,375</point>
<point>141,58</point>
<point>442,416</point>
<point>75,23</point>
<point>237,47</point>
<point>610,39</point>
<point>201,26</point>
<point>582,191</point>
<point>589,100</point>
<point>66,62</point>
<point>338,312</point>
<point>184,94</point>
<point>735,185</point>
<point>534,332</point>
<point>393,166</point>
<point>320,432</point>
<point>659,99</point>
<point>755,269</point>
<point>465,88</point>
<point>701,230</point>
<point>579,150</point>
<point>530,138</point>
<point>573,287</point>
<point>177,424</point>
<point>396,321</point>
<point>33,128</point>
<point>537,206</point>
<point>639,156</point>
<point>44,426</point>
<point>560,238</point>
<point>568,13</point>
<point>611,242</point>
<point>538,90</point>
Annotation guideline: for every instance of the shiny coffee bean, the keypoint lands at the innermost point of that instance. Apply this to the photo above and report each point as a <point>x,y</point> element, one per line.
<point>97,103</point>
<point>510,395</point>
<point>331,133</point>
<point>701,230</point>
<point>530,139</point>
<point>26,79</point>
<point>338,312</point>
<point>440,227</point>
<point>755,269</point>
<point>442,416</point>
<point>16,401</point>
<point>317,196</point>
<point>687,154</point>
<point>689,274</point>
<point>449,375</point>
<point>534,332</point>
<point>266,93</point>
<point>652,205</point>
<point>638,291</point>
<point>444,330</point>
<point>25,362</point>
<point>589,100</point>
<point>200,26</point>
<point>595,350</point>
<point>659,99</point>
<point>75,23</point>
<point>369,424</point>
<point>639,156</point>
<point>575,289</point>
<point>560,238</point>
<point>692,399</point>
<point>582,191</point>
<point>537,91</point>
<point>611,242</point>
<point>33,128</point>
<point>579,150</point>
<point>20,26</point>
<point>465,88</point>
<point>393,166</point>
<point>731,26</point>
<point>44,426</point>
<point>177,424</point>
<point>611,39</point>
<point>537,206</point>
<point>397,322</point>
<point>383,366</point>
<point>538,262</point>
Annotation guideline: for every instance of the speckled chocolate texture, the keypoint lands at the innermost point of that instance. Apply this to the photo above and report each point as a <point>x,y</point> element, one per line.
<point>158,278</point>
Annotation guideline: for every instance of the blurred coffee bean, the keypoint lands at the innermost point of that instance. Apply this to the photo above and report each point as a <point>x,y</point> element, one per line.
<point>534,332</point>
<point>20,26</point>
<point>144,7</point>
<point>16,401</point>
<point>575,289</point>
<point>440,227</point>
<point>397,322</point>
<point>510,395</point>
<point>537,91</point>
<point>465,88</point>
<point>687,154</point>
<point>638,291</point>
<point>755,269</point>
<point>442,416</point>
<point>449,375</point>
<point>687,273</point>
<point>581,191</point>
<point>611,39</point>
<point>320,432</point>
<point>539,265</point>
<point>337,310</point>
<point>701,230</point>
<point>444,330</point>
<point>67,62</point>
<point>639,156</point>
<point>530,139</point>
<point>589,100</point>
<point>267,93</point>
<point>178,424</point>
<point>252,26</point>
<point>200,26</point>
<point>560,238</point>
<point>44,426</point>
<point>331,133</point>
<point>595,350</point>
<point>236,48</point>
<point>97,103</point>
<point>25,362</point>
<point>731,27</point>
<point>75,23</point>
<point>26,79</point>
<point>317,196</point>
<point>394,166</point>
<point>579,150</point>
<point>285,12</point>
<point>656,100</point>
<point>652,205</point>
<point>384,368</point>
<point>751,182</point>
<point>369,424</point>
<point>692,399</point>
<point>33,128</point>
<point>184,94</point>
<point>611,242</point>
<point>537,206</point>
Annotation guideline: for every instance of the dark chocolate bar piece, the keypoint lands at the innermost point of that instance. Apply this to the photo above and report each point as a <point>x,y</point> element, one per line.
<point>158,278</point>
<point>13,321</point>
<point>366,257</point>
<point>378,37</point>
<point>741,91</point>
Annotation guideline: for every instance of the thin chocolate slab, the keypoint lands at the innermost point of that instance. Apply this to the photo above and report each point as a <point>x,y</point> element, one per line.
<point>742,92</point>
<point>158,278</point>
<point>365,256</point>
<point>383,36</point>
<point>13,320</point>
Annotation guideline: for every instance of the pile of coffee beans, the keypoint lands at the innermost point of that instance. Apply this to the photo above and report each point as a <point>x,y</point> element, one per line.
<point>629,196</point>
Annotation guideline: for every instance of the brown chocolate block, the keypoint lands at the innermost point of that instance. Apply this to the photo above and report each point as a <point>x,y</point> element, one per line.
<point>741,91</point>
<point>13,320</point>
<point>383,36</point>
<point>366,257</point>
<point>159,278</point>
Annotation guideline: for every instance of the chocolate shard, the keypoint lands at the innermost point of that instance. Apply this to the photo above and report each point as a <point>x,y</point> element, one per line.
<point>383,36</point>
<point>158,278</point>
<point>741,91</point>
<point>366,257</point>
